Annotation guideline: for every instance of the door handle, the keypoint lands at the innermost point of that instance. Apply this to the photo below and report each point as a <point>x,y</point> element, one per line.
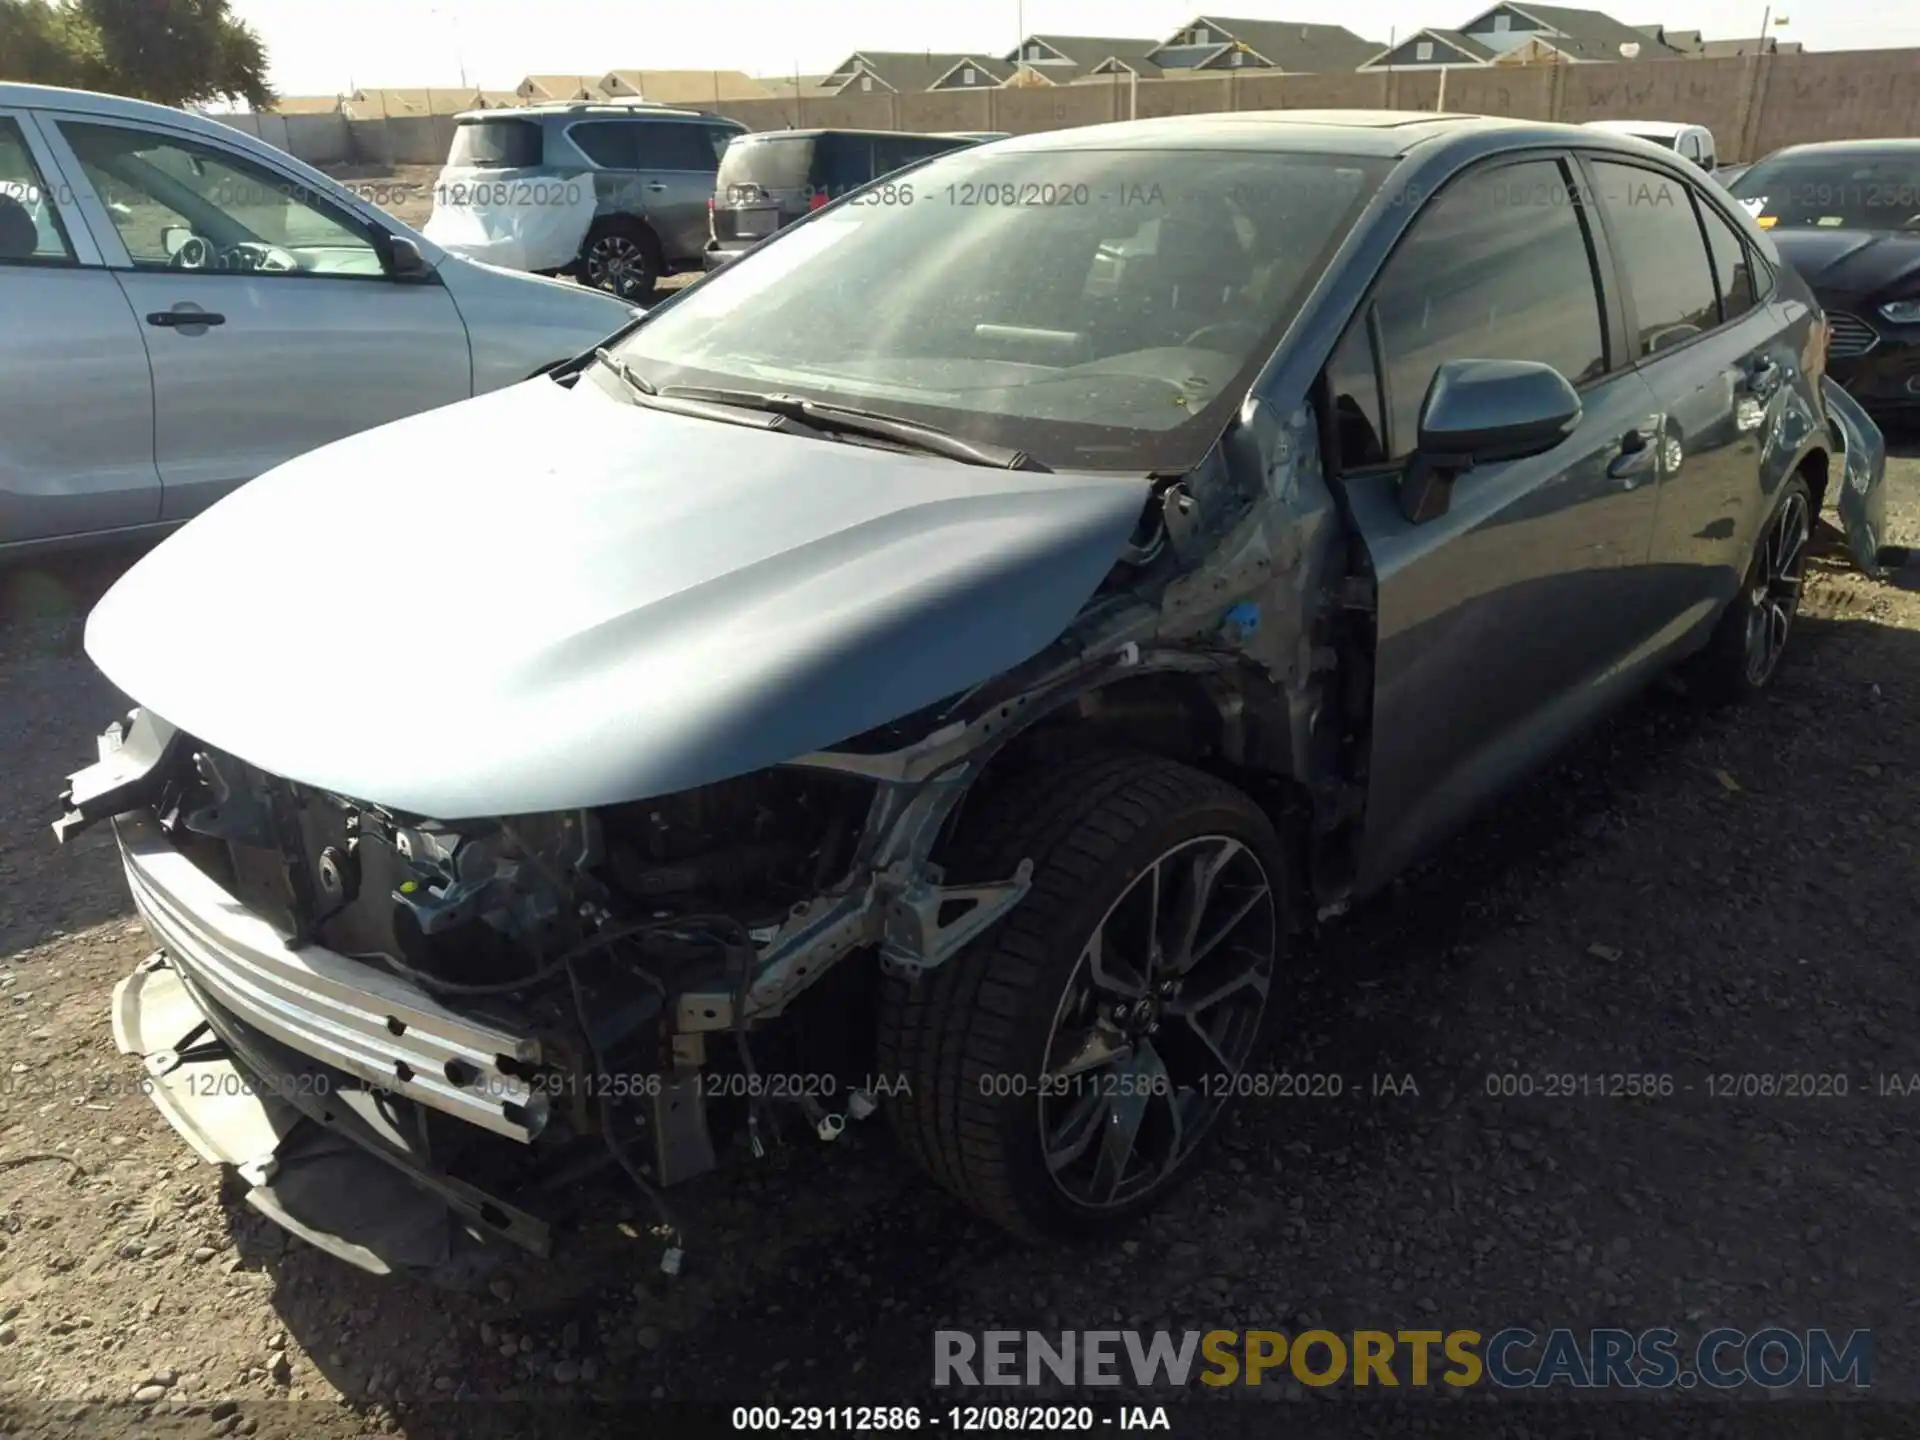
<point>1637,457</point>
<point>188,319</point>
<point>656,186</point>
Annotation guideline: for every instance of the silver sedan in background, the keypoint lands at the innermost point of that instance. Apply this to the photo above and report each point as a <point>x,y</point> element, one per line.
<point>187,307</point>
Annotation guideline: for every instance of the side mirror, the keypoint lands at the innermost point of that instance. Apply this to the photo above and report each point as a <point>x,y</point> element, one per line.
<point>174,238</point>
<point>1481,412</point>
<point>404,259</point>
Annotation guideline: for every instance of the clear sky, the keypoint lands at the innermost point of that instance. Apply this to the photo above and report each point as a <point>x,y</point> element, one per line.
<point>320,47</point>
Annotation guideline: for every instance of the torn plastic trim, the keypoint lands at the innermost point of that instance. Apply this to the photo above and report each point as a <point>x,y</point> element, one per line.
<point>137,755</point>
<point>1862,491</point>
<point>378,1027</point>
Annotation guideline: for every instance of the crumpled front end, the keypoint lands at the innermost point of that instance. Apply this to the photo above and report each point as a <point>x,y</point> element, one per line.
<point>1861,497</point>
<point>411,1039</point>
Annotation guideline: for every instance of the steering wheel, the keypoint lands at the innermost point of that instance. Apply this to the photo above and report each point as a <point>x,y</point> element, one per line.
<point>251,256</point>
<point>1244,330</point>
<point>195,253</point>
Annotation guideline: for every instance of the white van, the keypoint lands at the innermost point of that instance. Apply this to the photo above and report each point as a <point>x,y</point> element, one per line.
<point>1690,142</point>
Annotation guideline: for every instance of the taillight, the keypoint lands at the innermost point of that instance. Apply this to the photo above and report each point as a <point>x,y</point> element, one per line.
<point>816,200</point>
<point>712,233</point>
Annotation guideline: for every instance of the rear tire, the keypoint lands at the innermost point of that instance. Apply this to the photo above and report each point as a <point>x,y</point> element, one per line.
<point>622,257</point>
<point>1751,637</point>
<point>1079,973</point>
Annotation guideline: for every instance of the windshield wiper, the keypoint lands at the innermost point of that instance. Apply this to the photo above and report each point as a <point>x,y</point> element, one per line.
<point>845,420</point>
<point>625,371</point>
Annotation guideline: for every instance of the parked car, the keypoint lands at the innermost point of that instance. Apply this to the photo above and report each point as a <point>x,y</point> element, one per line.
<point>187,307</point>
<point>613,193</point>
<point>770,179</point>
<point>1846,215</point>
<point>1689,142</point>
<point>960,717</point>
<point>1727,174</point>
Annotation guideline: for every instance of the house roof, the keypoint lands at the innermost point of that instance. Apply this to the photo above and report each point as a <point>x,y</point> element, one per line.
<point>1089,50</point>
<point>687,87</point>
<point>1584,34</point>
<point>396,103</point>
<point>901,70</point>
<point>1464,44</point>
<point>561,87</point>
<point>998,71</point>
<point>784,85</point>
<point>1720,49</point>
<point>1291,44</point>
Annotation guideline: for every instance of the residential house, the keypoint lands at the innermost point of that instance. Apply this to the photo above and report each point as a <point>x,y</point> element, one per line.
<point>681,87</point>
<point>394,104</point>
<point>1065,59</point>
<point>976,72</point>
<point>879,72</point>
<point>1511,34</point>
<point>786,87</point>
<point>1690,44</point>
<point>545,89</point>
<point>1221,43</point>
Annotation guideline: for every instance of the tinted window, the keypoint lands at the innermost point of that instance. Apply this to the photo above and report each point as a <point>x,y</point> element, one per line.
<point>1497,267</point>
<point>1658,243</point>
<point>1068,330</point>
<point>840,163</point>
<point>773,162</point>
<point>1355,391</point>
<point>495,144</point>
<point>675,145</point>
<point>1834,189</point>
<point>892,152</point>
<point>1732,269</point>
<point>607,143</point>
<point>29,225</point>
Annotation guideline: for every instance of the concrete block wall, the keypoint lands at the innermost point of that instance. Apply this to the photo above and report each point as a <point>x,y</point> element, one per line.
<point>1753,104</point>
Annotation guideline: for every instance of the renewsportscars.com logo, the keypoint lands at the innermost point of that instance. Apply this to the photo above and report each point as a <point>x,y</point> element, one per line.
<point>1773,1358</point>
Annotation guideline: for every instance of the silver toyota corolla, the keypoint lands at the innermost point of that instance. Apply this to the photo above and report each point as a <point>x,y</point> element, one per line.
<point>187,307</point>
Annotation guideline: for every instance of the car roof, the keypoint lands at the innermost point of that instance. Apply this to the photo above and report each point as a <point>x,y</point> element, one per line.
<point>594,109</point>
<point>1387,134</point>
<point>1842,148</point>
<point>92,102</point>
<point>1641,127</point>
<point>814,134</point>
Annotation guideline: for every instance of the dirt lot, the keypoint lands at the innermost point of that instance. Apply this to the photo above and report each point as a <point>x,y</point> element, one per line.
<point>1689,895</point>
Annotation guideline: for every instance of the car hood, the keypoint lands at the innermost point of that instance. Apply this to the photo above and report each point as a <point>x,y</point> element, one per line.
<point>1851,262</point>
<point>546,598</point>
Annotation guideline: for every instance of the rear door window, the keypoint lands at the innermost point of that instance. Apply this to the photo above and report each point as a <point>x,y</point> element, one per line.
<point>495,144</point>
<point>674,145</point>
<point>609,144</point>
<point>1660,247</point>
<point>30,227</point>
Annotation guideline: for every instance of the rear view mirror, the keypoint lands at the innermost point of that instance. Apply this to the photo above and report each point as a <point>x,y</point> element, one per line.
<point>1481,412</point>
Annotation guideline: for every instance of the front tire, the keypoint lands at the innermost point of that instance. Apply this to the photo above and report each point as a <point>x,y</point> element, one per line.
<point>1751,637</point>
<point>1066,1071</point>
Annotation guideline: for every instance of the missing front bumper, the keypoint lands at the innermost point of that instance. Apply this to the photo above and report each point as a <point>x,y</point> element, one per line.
<point>328,1163</point>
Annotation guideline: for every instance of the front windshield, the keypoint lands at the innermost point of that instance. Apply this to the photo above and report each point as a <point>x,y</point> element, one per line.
<point>1100,309</point>
<point>1855,190</point>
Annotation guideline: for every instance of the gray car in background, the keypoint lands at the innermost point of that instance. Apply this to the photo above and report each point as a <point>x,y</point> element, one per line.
<point>615,194</point>
<point>186,307</point>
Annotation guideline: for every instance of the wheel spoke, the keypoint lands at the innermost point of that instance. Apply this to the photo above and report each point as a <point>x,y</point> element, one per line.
<point>1777,621</point>
<point>1241,910</point>
<point>1077,1131</point>
<point>1251,978</point>
<point>1098,1045</point>
<point>1109,972</point>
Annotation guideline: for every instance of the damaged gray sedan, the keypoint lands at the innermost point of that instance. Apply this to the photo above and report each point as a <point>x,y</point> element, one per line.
<point>938,666</point>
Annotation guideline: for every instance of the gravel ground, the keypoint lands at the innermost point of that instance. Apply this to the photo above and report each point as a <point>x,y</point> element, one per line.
<point>1688,895</point>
